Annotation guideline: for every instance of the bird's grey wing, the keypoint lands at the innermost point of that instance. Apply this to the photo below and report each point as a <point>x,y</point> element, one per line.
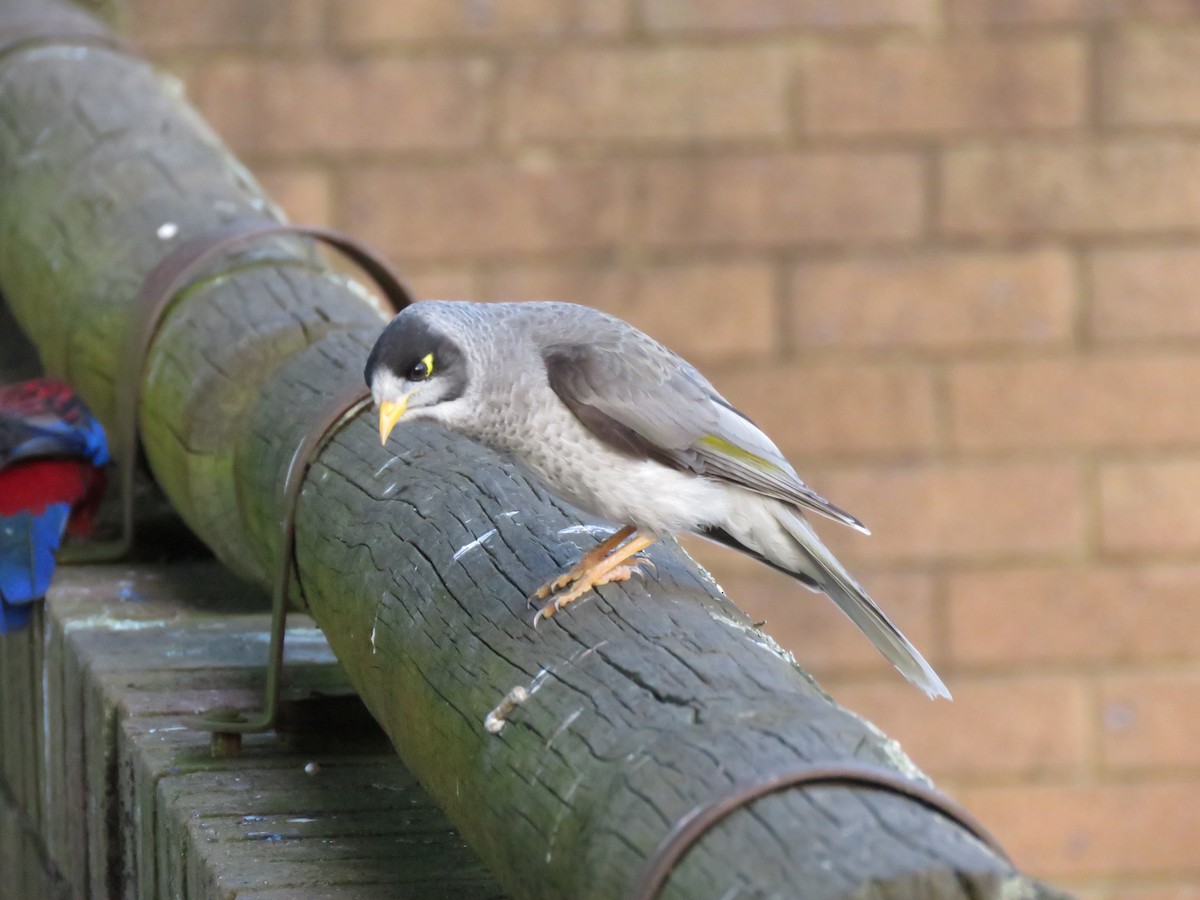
<point>643,400</point>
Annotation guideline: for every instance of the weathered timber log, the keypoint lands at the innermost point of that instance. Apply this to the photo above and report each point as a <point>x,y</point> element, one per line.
<point>18,357</point>
<point>416,560</point>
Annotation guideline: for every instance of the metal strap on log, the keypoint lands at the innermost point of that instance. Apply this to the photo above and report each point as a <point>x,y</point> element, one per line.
<point>690,829</point>
<point>150,305</point>
<point>603,730</point>
<point>157,293</point>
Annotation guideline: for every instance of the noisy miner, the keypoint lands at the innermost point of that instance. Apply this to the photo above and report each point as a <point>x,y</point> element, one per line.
<point>625,429</point>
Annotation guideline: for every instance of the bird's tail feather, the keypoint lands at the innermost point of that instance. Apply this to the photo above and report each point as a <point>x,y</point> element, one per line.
<point>840,586</point>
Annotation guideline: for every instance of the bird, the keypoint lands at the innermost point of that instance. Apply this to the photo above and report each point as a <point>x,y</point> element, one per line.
<point>615,423</point>
<point>53,454</point>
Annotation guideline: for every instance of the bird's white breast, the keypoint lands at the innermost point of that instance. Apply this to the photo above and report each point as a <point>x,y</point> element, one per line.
<point>534,426</point>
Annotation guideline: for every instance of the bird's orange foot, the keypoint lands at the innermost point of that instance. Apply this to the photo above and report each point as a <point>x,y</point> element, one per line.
<point>585,582</point>
<point>556,584</point>
<point>590,560</point>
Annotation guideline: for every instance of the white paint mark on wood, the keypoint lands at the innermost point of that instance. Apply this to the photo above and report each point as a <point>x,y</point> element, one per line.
<point>467,548</point>
<point>595,530</point>
<point>375,622</point>
<point>759,638</point>
<point>108,623</point>
<point>564,726</point>
<point>579,657</point>
<point>562,813</point>
<point>546,671</point>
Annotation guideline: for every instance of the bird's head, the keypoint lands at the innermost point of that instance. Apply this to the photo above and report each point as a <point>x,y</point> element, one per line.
<point>415,368</point>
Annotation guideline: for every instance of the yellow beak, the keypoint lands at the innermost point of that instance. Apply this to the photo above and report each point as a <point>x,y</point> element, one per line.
<point>389,415</point>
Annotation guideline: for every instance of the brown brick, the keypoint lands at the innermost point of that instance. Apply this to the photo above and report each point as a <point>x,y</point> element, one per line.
<point>728,565</point>
<point>603,286</point>
<point>1172,891</point>
<point>919,88</point>
<point>1066,12</point>
<point>1149,78</point>
<point>1075,615</point>
<point>969,511</point>
<point>1122,186</point>
<point>1101,830</point>
<point>282,107</point>
<point>1145,292</point>
<point>674,93</point>
<point>773,15</point>
<point>1143,401</point>
<point>815,410</point>
<point>824,641</point>
<point>712,310</point>
<point>161,25</point>
<point>781,200</point>
<point>371,22</point>
<point>423,284</point>
<point>1151,720</point>
<point>703,311</point>
<point>942,301</point>
<point>485,209</point>
<point>303,192</point>
<point>1028,727</point>
<point>440,284</point>
<point>1150,507</point>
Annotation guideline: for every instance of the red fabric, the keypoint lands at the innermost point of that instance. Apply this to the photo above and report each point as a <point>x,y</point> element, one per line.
<point>34,484</point>
<point>40,397</point>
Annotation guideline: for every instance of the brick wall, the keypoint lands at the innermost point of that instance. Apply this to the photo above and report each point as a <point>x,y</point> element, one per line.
<point>944,250</point>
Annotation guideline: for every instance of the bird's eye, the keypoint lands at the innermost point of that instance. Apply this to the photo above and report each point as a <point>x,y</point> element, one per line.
<point>423,369</point>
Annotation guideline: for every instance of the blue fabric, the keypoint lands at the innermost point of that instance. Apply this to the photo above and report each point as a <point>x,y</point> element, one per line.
<point>27,547</point>
<point>14,618</point>
<point>38,418</point>
<point>54,437</point>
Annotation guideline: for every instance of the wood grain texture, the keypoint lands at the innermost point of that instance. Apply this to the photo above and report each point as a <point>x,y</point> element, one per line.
<point>416,559</point>
<point>18,357</point>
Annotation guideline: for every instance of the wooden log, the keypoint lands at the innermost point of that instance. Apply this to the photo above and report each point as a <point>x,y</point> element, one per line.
<point>18,357</point>
<point>641,702</point>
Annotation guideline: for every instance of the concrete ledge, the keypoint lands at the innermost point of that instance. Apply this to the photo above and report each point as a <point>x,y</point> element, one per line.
<point>106,790</point>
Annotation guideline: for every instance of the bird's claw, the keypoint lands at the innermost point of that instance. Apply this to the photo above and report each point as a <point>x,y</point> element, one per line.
<point>554,585</point>
<point>585,567</point>
<point>583,584</point>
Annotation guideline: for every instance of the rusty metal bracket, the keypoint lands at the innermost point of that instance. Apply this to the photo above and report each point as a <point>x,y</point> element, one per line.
<point>157,292</point>
<point>692,827</point>
<point>228,725</point>
<point>150,306</point>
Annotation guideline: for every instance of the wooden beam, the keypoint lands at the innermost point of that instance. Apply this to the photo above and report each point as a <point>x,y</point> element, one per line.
<point>641,703</point>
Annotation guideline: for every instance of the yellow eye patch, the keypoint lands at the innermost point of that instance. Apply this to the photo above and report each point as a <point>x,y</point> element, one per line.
<point>422,370</point>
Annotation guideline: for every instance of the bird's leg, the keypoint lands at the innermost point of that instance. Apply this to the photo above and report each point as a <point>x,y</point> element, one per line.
<point>586,562</point>
<point>616,566</point>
